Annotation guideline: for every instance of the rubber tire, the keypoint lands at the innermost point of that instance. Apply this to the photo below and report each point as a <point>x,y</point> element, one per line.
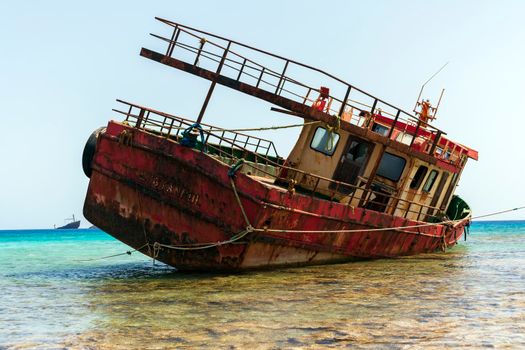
<point>89,151</point>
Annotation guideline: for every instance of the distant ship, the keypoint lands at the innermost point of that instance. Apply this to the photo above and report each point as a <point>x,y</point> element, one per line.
<point>74,224</point>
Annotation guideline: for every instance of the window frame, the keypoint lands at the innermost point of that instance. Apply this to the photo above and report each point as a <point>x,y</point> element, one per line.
<point>433,171</point>
<point>418,181</point>
<point>324,151</point>
<point>400,173</point>
<point>380,129</point>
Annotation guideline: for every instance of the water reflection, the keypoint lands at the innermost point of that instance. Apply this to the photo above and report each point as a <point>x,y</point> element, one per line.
<point>434,299</point>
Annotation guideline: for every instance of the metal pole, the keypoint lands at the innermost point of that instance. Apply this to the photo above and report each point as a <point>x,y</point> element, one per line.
<point>240,71</point>
<point>172,41</point>
<point>434,145</point>
<point>203,41</point>
<point>140,118</point>
<point>394,124</point>
<point>373,107</point>
<point>260,77</point>
<point>282,76</point>
<point>342,109</point>
<point>415,133</point>
<point>213,83</point>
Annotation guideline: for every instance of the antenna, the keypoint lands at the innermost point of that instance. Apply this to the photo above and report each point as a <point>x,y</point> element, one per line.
<point>439,102</point>
<point>426,82</point>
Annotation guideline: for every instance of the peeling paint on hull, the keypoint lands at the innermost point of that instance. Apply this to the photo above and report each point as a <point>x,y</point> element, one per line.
<point>151,189</point>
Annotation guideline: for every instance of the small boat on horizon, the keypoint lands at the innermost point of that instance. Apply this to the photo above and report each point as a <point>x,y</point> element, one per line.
<point>73,224</point>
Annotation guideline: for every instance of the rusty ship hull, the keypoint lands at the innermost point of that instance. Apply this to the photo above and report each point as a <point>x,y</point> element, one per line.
<point>152,193</point>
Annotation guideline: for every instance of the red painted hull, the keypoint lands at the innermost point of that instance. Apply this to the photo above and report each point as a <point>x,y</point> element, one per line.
<point>154,190</point>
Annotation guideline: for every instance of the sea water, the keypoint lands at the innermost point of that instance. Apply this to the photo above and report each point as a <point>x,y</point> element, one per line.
<point>53,297</point>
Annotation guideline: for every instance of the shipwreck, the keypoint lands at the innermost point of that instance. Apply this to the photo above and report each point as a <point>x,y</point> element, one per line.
<point>365,179</point>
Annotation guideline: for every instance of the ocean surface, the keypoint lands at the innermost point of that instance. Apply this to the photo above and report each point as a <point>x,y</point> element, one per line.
<point>472,296</point>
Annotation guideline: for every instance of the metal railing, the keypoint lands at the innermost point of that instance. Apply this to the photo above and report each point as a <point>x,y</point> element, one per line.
<point>171,126</point>
<point>349,102</point>
<point>235,145</point>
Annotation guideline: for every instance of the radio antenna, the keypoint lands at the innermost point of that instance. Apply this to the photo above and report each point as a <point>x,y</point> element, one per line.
<point>426,82</point>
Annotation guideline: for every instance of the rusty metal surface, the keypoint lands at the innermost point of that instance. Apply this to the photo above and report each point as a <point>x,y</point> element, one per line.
<point>146,189</point>
<point>284,102</point>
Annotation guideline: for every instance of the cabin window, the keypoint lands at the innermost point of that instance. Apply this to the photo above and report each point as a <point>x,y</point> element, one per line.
<point>380,129</point>
<point>418,177</point>
<point>391,166</point>
<point>324,141</point>
<point>357,152</point>
<point>404,138</point>
<point>431,179</point>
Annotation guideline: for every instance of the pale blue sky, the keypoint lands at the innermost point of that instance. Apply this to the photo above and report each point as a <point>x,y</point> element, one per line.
<point>63,63</point>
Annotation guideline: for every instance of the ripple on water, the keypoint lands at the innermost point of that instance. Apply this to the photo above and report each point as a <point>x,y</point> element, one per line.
<point>473,296</point>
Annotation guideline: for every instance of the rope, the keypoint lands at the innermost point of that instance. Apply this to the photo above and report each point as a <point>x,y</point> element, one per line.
<point>249,228</point>
<point>367,229</point>
<point>271,127</point>
<point>498,213</point>
<point>256,129</point>
<point>129,252</point>
<point>240,204</point>
<point>332,131</point>
<point>445,222</point>
<point>200,246</point>
<point>190,140</point>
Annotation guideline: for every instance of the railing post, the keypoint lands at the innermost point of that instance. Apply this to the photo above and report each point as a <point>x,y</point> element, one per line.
<point>307,95</point>
<point>162,125</point>
<point>420,211</point>
<point>140,118</point>
<point>373,107</point>
<point>342,109</point>
<point>171,127</point>
<point>178,129</point>
<point>129,112</point>
<point>208,135</point>
<point>260,77</point>
<point>415,133</point>
<point>314,189</point>
<point>213,83</point>
<point>203,41</point>
<point>281,78</point>
<point>407,209</point>
<point>174,37</point>
<point>240,71</point>
<point>394,124</point>
<point>436,141</point>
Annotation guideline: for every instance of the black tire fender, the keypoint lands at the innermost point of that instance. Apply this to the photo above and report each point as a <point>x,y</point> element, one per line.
<point>89,151</point>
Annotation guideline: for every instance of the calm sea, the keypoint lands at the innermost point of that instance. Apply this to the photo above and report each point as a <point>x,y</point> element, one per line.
<point>472,296</point>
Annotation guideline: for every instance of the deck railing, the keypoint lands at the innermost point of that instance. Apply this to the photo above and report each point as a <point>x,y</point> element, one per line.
<point>171,126</point>
<point>235,145</point>
<point>243,64</point>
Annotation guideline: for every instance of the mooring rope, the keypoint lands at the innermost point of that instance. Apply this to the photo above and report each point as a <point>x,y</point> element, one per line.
<point>200,246</point>
<point>129,252</point>
<point>242,234</point>
<point>498,213</point>
<point>249,228</point>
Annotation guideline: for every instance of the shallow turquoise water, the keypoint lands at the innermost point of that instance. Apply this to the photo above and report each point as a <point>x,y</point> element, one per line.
<point>50,297</point>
